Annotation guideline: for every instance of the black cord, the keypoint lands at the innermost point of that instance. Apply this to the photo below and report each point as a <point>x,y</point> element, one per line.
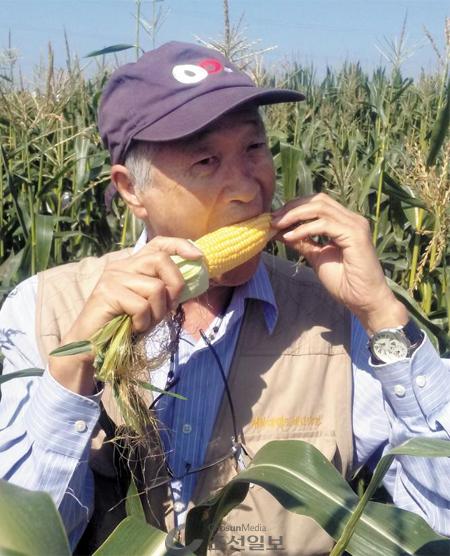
<point>225,381</point>
<point>167,389</point>
<point>236,446</point>
<point>204,467</point>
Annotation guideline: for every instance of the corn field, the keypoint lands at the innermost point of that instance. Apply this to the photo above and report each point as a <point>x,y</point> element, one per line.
<point>372,141</point>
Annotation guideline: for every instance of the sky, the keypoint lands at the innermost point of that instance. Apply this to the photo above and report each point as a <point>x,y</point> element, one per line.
<point>321,32</point>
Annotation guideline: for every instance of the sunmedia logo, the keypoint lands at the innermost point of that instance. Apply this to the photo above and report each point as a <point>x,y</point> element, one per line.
<point>242,527</point>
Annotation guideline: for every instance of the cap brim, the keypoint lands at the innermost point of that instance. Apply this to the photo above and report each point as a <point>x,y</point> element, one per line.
<point>201,111</point>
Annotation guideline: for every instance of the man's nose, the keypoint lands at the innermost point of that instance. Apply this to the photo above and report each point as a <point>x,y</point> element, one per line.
<point>240,181</point>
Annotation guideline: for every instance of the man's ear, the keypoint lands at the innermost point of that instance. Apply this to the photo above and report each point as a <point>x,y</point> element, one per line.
<point>121,179</point>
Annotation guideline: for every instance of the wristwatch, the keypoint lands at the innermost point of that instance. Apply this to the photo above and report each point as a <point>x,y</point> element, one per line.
<point>390,345</point>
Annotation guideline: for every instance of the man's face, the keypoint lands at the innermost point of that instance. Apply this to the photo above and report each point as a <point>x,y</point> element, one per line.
<point>218,177</point>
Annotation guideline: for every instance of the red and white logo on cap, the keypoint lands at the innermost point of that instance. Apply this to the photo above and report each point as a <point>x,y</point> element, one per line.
<point>189,74</point>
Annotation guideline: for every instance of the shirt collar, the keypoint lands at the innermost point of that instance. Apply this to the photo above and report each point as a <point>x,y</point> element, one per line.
<point>141,241</point>
<point>258,287</point>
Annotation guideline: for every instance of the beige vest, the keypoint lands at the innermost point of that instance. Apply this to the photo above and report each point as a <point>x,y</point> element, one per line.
<point>293,384</point>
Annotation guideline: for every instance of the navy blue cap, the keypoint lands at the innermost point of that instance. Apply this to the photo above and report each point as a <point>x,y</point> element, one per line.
<point>172,92</point>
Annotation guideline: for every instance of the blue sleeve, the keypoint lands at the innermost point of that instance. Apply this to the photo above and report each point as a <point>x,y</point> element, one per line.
<point>393,403</point>
<point>45,429</point>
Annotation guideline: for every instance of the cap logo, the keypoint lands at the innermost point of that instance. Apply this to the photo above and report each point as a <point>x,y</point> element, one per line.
<point>211,65</point>
<point>189,74</point>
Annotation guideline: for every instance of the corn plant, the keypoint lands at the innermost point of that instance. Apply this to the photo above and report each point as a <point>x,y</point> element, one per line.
<point>377,143</point>
<point>294,472</point>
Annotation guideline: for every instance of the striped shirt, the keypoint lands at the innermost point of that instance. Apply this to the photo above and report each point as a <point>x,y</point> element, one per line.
<point>45,429</point>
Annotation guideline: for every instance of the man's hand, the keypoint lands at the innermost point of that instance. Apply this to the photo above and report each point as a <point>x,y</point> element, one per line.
<point>347,264</point>
<point>145,286</point>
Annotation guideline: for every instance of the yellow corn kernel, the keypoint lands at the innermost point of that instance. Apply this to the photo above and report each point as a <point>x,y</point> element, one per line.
<point>231,246</point>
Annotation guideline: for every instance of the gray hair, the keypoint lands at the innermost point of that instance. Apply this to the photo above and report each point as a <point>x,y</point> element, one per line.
<point>138,162</point>
<point>138,159</point>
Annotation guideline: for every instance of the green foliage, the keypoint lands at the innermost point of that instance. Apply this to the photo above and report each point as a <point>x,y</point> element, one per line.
<point>306,483</point>
<point>294,472</point>
<point>378,144</point>
<point>53,174</point>
<point>134,536</point>
<point>30,523</point>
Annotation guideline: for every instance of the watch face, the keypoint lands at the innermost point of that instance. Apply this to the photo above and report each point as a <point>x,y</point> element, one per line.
<point>389,346</point>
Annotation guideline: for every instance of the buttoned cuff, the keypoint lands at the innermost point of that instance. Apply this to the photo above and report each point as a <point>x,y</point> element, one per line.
<point>419,384</point>
<point>60,420</point>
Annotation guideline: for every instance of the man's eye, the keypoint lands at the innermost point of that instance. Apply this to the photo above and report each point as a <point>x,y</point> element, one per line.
<point>256,146</point>
<point>206,161</point>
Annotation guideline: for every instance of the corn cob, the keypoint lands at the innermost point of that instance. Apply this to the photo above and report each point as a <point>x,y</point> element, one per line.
<point>229,247</point>
<point>224,249</point>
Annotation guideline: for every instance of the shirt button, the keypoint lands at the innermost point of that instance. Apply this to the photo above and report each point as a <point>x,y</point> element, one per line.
<point>399,390</point>
<point>187,428</point>
<point>80,426</point>
<point>421,380</point>
<point>178,507</point>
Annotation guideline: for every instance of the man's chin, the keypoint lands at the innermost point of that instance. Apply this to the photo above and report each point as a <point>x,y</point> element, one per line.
<point>239,275</point>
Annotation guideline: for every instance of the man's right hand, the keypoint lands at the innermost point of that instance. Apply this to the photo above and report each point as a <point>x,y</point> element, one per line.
<point>146,286</point>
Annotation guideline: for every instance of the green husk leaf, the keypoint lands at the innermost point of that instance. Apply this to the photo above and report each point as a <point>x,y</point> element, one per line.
<point>132,408</point>
<point>120,361</point>
<point>195,277</point>
<point>149,386</point>
<point>107,332</point>
<point>74,348</point>
<point>119,357</point>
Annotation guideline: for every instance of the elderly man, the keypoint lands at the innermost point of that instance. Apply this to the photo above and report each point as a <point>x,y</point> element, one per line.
<point>266,353</point>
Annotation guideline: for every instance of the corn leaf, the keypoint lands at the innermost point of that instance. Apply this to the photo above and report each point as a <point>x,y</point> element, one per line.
<point>30,523</point>
<point>7,552</point>
<point>11,186</point>
<point>133,536</point>
<point>290,157</point>
<point>21,374</point>
<point>437,336</point>
<point>306,483</point>
<point>149,386</point>
<point>393,188</point>
<point>419,447</point>
<point>74,348</point>
<point>10,266</point>
<point>110,49</point>
<point>133,503</point>
<point>44,237</point>
<point>440,129</point>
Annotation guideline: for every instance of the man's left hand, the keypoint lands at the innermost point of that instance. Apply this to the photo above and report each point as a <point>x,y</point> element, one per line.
<point>347,264</point>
